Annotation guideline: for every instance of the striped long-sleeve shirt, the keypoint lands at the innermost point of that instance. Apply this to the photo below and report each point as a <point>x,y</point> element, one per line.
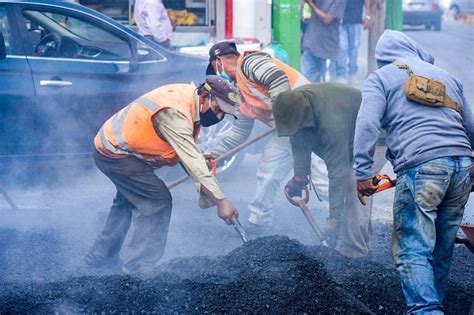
<point>260,69</point>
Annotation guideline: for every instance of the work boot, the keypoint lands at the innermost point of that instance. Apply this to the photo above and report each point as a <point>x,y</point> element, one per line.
<point>261,221</point>
<point>112,263</point>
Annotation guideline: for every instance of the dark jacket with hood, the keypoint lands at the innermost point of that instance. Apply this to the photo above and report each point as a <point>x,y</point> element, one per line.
<point>415,133</point>
<point>321,118</point>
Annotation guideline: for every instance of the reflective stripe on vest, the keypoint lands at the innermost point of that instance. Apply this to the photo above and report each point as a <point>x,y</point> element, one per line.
<point>258,102</point>
<point>131,130</point>
<point>117,122</point>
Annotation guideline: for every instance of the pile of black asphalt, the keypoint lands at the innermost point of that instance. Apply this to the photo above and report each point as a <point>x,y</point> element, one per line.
<point>271,274</point>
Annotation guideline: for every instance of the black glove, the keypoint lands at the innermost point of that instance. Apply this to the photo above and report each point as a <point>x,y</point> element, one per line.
<point>296,185</point>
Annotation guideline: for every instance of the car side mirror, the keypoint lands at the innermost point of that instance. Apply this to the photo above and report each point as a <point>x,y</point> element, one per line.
<point>3,49</point>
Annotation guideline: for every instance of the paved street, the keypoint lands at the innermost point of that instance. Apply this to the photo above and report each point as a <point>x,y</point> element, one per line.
<point>453,49</point>
<point>76,209</point>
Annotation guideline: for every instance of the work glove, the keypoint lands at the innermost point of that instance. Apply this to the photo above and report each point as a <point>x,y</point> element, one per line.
<point>296,185</point>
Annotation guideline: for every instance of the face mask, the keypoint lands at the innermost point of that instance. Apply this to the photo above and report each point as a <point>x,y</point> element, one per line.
<point>209,118</point>
<point>223,74</point>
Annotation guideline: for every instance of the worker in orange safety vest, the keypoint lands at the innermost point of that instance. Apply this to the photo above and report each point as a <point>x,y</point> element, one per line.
<point>158,129</point>
<point>260,78</point>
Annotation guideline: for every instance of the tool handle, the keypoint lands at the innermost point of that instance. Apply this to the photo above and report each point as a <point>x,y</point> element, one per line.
<point>301,203</point>
<point>227,154</point>
<point>295,202</point>
<point>240,230</point>
<point>9,200</point>
<point>213,167</point>
<point>390,182</point>
<point>466,243</point>
<point>314,225</point>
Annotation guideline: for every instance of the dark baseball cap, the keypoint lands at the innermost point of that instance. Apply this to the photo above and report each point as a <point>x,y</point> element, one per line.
<point>226,94</point>
<point>220,49</point>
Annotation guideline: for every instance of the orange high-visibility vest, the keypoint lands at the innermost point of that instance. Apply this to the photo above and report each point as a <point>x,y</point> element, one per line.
<point>131,131</point>
<point>258,102</point>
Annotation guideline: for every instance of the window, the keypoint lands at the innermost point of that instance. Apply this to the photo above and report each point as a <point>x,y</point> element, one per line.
<point>60,35</point>
<point>4,29</point>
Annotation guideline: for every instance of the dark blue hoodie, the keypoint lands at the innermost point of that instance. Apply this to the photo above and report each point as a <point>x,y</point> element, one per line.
<point>415,133</point>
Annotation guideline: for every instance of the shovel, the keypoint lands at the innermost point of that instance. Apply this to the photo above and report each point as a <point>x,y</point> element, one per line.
<point>226,155</point>
<point>238,227</point>
<point>302,204</point>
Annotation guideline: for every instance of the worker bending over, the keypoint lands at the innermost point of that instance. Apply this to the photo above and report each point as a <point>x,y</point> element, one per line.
<point>259,78</point>
<point>320,118</point>
<point>158,129</point>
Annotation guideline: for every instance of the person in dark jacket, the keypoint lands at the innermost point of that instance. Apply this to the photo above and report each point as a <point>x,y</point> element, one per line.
<point>321,118</point>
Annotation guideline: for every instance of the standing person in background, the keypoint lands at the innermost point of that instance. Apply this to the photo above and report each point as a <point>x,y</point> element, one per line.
<point>430,135</point>
<point>153,21</point>
<point>345,68</point>
<point>321,38</point>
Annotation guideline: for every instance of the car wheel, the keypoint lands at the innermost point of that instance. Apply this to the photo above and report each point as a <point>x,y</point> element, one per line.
<point>455,12</point>
<point>437,26</point>
<point>427,27</point>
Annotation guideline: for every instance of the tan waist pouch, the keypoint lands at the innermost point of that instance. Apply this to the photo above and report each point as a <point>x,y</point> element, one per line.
<point>427,91</point>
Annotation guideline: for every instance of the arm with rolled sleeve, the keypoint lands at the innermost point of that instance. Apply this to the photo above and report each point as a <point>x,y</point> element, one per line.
<point>175,128</point>
<point>368,126</point>
<point>260,69</point>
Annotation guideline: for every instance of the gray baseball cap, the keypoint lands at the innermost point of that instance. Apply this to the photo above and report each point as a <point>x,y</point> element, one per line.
<point>226,94</point>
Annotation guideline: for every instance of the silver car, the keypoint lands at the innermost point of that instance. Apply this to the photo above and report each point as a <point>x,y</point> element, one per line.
<point>461,7</point>
<point>422,12</point>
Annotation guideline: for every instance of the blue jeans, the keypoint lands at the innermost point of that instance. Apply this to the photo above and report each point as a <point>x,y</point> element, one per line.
<point>349,42</point>
<point>428,208</point>
<point>313,68</point>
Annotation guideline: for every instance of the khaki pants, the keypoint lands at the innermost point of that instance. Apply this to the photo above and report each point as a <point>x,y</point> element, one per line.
<point>354,237</point>
<point>143,200</point>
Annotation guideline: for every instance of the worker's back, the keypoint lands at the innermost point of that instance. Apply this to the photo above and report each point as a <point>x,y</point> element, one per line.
<point>415,133</point>
<point>335,108</point>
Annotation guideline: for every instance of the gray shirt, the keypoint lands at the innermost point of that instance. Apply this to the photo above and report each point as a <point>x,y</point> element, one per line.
<point>320,39</point>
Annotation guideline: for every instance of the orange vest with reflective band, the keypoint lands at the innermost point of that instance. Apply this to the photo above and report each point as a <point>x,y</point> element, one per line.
<point>258,102</point>
<point>131,131</point>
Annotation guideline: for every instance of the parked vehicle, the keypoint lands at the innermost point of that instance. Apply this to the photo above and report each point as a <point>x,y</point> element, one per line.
<point>461,7</point>
<point>422,12</point>
<point>64,69</point>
